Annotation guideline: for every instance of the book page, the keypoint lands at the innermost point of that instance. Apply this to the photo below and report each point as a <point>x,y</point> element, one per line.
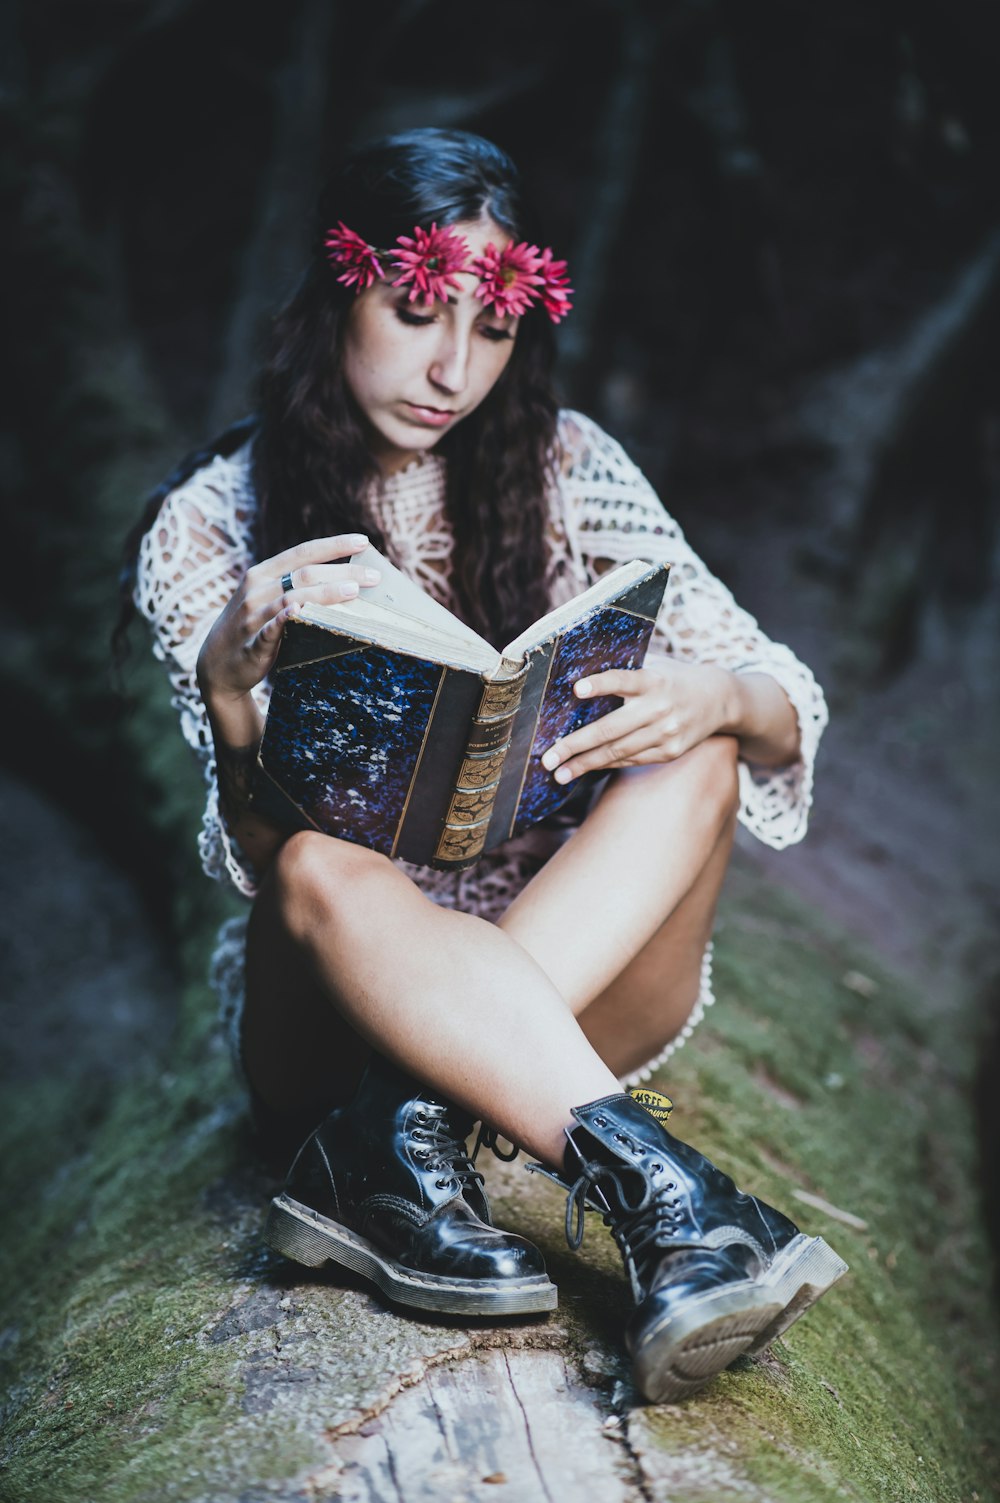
<point>607,587</point>
<point>397,612</point>
<point>397,592</point>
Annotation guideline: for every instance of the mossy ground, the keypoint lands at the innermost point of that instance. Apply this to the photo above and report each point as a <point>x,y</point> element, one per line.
<point>152,1350</point>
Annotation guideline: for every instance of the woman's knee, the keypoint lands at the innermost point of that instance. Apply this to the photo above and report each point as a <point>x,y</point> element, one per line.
<point>706,777</point>
<point>320,879</point>
<point>718,762</point>
<point>717,781</point>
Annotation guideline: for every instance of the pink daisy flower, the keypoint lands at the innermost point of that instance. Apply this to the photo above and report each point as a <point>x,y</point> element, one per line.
<point>508,279</point>
<point>361,264</point>
<point>555,288</point>
<point>428,260</point>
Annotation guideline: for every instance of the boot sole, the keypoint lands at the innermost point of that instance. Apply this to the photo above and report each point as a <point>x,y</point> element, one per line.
<point>311,1239</point>
<point>692,1344</point>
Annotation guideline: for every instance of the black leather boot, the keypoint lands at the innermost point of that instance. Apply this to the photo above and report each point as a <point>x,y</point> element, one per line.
<point>715,1273</point>
<point>385,1187</point>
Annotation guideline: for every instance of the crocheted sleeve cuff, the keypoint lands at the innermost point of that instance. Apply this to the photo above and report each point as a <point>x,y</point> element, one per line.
<point>613,514</point>
<point>221,856</point>
<point>701,622</point>
<point>775,801</point>
<point>190,561</point>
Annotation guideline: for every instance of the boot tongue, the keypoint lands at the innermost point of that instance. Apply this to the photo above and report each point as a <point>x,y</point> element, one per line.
<point>583,1144</point>
<point>659,1107</point>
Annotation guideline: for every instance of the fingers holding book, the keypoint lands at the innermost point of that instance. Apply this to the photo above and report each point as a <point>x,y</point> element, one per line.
<point>308,571</point>
<point>243,642</point>
<point>665,712</point>
<point>325,584</point>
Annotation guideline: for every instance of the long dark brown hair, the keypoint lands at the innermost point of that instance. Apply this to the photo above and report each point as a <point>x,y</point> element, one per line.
<point>312,467</point>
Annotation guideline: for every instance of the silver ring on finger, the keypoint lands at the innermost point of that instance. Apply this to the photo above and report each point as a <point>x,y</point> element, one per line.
<point>286,582</point>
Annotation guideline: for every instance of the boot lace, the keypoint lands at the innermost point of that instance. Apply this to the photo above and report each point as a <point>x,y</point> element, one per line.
<point>439,1147</point>
<point>645,1234</point>
<point>591,1175</point>
<point>643,1231</point>
<point>488,1138</point>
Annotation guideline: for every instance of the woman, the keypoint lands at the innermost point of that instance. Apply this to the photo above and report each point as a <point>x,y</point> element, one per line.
<point>407,400</point>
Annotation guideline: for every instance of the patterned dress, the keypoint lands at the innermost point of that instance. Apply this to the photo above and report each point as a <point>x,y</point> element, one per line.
<point>601,511</point>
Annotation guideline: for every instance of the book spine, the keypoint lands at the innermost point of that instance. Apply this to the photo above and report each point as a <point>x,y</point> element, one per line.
<point>470,809</point>
<point>432,787</point>
<point>522,739</point>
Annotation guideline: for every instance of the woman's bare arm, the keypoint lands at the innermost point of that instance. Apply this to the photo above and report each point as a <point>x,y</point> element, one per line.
<point>763,720</point>
<point>237,726</point>
<point>240,651</point>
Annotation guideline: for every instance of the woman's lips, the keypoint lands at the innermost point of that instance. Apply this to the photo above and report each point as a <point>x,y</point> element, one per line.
<point>433,417</point>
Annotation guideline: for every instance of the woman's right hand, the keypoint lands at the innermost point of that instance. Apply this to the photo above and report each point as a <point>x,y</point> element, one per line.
<point>243,643</point>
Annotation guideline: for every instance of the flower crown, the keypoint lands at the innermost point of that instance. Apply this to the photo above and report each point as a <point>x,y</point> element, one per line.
<point>428,261</point>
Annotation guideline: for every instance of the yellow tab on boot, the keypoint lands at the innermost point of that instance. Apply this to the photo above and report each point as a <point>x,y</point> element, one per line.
<point>656,1105</point>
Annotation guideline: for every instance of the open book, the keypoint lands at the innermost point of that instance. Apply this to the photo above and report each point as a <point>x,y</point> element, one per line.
<point>394,725</point>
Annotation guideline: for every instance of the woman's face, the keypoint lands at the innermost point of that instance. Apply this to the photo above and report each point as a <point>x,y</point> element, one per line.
<point>416,371</point>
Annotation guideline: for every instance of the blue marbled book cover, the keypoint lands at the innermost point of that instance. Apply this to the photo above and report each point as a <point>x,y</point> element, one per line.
<point>607,638</point>
<point>344,736</point>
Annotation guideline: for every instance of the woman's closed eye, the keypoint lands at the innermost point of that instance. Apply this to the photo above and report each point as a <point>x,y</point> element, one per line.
<point>407,316</point>
<point>492,331</point>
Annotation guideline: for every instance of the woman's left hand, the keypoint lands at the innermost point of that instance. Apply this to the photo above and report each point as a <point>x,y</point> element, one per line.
<point>666,711</point>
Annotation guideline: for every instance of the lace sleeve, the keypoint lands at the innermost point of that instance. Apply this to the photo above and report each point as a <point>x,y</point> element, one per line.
<point>190,561</point>
<point>613,515</point>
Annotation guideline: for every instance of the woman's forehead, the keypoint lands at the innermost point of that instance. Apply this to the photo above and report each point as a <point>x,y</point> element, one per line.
<point>479,233</point>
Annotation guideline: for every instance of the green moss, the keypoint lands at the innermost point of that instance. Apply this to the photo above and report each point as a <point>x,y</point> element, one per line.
<point>119,1268</point>
<point>133,1248</point>
<point>888,1390</point>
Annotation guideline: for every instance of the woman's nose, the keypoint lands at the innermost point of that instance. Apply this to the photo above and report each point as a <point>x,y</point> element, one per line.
<point>450,366</point>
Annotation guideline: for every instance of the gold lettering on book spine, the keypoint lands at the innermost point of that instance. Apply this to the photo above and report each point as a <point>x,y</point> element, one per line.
<point>468,819</point>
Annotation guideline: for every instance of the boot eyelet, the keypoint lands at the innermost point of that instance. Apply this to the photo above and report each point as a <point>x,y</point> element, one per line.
<point>600,1121</point>
<point>656,1168</point>
<point>671,1186</point>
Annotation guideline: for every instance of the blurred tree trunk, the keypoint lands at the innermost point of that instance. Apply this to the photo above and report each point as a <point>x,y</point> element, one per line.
<point>273,257</point>
<point>911,496</point>
<point>616,144</point>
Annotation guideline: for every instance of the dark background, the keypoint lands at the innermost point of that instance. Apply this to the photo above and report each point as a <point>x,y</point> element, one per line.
<point>783,226</point>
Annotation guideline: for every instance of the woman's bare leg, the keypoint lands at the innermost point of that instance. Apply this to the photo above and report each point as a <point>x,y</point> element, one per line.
<point>647,1005</point>
<point>479,1012</point>
<point>465,1008</point>
<point>301,1054</point>
<point>621,915</point>
<point>450,997</point>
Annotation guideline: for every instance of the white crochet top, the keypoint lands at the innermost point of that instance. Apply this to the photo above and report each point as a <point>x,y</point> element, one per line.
<point>602,510</point>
